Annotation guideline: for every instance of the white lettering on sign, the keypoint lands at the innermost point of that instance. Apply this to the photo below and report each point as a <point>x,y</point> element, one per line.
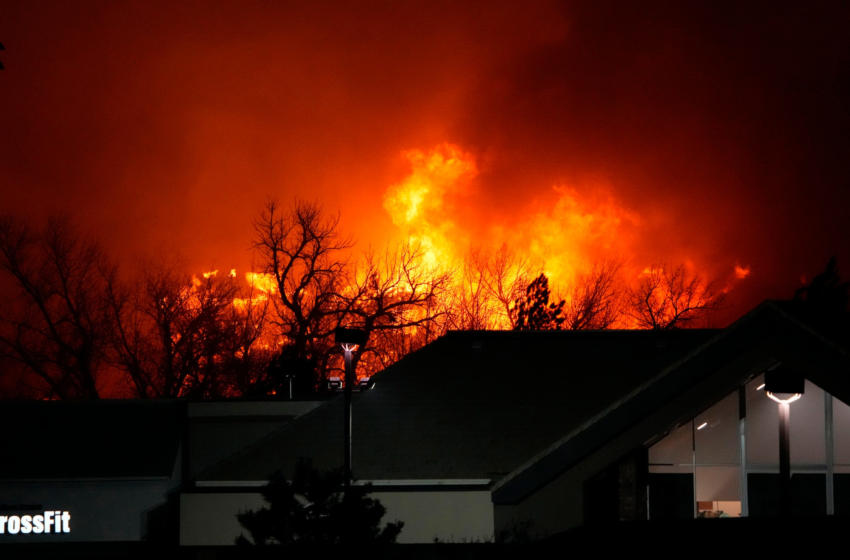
<point>49,522</point>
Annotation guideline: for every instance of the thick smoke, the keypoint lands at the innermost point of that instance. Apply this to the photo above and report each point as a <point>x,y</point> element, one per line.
<point>723,128</point>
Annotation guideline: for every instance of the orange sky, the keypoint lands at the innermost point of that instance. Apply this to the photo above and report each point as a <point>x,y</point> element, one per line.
<point>717,136</point>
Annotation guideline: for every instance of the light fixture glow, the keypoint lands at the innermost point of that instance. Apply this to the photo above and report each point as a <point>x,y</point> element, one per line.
<point>703,425</point>
<point>760,387</point>
<point>792,398</point>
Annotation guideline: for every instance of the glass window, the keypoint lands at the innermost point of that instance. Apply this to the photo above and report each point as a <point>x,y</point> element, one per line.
<point>674,453</point>
<point>717,434</point>
<point>706,453</point>
<point>808,451</point>
<point>841,435</point>
<point>762,429</point>
<point>808,430</point>
<point>718,459</point>
<point>696,469</point>
<point>719,484</point>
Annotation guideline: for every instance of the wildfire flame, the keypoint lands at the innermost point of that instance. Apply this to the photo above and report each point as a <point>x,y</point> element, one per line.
<point>417,204</point>
<point>585,224</point>
<point>562,238</point>
<point>265,284</point>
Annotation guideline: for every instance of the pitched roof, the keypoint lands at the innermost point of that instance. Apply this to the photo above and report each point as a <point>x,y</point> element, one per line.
<point>89,439</point>
<point>471,405</point>
<point>765,336</point>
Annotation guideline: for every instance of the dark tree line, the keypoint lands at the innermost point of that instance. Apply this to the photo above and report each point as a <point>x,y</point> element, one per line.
<point>75,324</point>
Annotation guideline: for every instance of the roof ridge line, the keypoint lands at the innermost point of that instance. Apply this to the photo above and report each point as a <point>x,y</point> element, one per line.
<point>722,333</point>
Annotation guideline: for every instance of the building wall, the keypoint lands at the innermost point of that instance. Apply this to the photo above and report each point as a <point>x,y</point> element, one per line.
<point>556,507</point>
<point>559,505</point>
<point>210,519</point>
<point>100,510</point>
<point>450,516</point>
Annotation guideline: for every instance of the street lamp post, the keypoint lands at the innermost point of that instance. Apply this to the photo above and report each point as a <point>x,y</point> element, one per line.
<point>350,340</point>
<point>784,386</point>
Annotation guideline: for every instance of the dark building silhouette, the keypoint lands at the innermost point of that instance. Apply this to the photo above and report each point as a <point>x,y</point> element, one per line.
<point>481,432</point>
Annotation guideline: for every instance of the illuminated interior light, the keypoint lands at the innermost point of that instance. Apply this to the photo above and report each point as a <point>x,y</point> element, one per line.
<point>703,425</point>
<point>792,398</point>
<point>760,387</point>
<point>349,347</point>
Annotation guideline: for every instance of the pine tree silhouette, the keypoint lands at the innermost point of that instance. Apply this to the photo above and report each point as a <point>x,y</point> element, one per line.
<point>533,310</point>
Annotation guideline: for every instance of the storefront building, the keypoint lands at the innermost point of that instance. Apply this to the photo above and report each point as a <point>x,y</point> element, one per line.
<point>480,433</point>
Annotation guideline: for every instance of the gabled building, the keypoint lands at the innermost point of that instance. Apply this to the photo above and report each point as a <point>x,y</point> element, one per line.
<point>482,432</point>
<point>477,435</point>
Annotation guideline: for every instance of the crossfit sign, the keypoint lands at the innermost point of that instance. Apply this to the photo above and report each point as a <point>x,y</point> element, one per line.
<point>48,522</point>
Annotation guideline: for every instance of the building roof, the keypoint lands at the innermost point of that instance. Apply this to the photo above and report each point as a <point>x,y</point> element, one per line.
<point>57,440</point>
<point>472,405</point>
<point>766,336</point>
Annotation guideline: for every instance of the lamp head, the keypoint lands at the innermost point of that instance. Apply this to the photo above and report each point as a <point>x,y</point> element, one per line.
<point>349,337</point>
<point>784,385</point>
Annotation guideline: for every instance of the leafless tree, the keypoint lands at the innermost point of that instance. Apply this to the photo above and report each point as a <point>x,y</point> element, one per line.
<point>475,307</point>
<point>303,252</point>
<point>172,330</point>
<point>392,297</point>
<point>671,298</point>
<point>486,287</point>
<point>594,297</point>
<point>250,346</point>
<point>510,273</point>
<point>56,323</point>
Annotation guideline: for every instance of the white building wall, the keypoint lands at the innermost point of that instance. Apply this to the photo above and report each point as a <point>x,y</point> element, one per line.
<point>100,510</point>
<point>459,516</point>
<point>210,519</point>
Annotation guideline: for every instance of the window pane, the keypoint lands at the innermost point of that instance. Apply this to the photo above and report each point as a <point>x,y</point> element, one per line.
<point>762,429</point>
<point>718,484</point>
<point>717,435</point>
<point>808,431</point>
<point>674,453</point>
<point>841,432</point>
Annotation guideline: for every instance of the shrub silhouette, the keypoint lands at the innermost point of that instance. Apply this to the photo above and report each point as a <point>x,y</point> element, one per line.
<point>313,509</point>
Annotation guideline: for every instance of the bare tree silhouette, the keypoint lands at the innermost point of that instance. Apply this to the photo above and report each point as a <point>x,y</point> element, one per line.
<point>392,297</point>
<point>672,298</point>
<point>57,325</point>
<point>485,289</point>
<point>171,331</point>
<point>303,252</point>
<point>595,297</point>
